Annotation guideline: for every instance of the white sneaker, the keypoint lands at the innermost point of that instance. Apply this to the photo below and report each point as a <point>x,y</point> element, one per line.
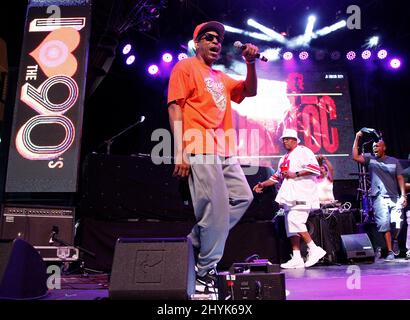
<point>314,255</point>
<point>294,263</point>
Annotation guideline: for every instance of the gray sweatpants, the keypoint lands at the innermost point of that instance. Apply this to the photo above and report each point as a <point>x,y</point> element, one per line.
<point>220,196</point>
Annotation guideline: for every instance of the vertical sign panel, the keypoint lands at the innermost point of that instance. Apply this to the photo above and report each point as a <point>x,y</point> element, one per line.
<point>45,142</point>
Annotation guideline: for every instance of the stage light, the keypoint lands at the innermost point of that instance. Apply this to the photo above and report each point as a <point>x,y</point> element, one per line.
<point>395,63</point>
<point>303,55</point>
<point>320,55</point>
<point>288,55</point>
<point>145,26</point>
<point>271,33</point>
<point>366,54</point>
<point>153,69</point>
<point>126,49</point>
<point>167,57</point>
<point>351,55</point>
<point>335,55</point>
<point>182,56</point>
<point>372,42</point>
<point>382,54</point>
<point>309,30</point>
<point>271,54</point>
<point>153,11</point>
<point>312,19</point>
<point>259,36</point>
<point>130,60</point>
<point>329,29</point>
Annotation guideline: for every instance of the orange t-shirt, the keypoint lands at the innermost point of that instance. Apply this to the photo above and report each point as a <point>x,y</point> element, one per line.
<point>204,95</point>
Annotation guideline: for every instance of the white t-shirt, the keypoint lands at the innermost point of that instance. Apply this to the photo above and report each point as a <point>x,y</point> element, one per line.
<point>300,191</point>
<point>325,189</point>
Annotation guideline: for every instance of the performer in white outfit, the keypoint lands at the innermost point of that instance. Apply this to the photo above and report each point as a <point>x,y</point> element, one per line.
<point>324,181</point>
<point>298,195</point>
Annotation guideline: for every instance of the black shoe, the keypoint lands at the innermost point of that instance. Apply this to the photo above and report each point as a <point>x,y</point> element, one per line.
<point>207,284</point>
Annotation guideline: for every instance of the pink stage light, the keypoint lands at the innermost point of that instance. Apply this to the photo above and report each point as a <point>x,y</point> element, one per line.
<point>153,69</point>
<point>303,55</point>
<point>366,54</point>
<point>167,57</point>
<point>130,60</point>
<point>351,55</point>
<point>126,49</point>
<point>382,54</point>
<point>287,55</point>
<point>395,63</point>
<point>182,56</point>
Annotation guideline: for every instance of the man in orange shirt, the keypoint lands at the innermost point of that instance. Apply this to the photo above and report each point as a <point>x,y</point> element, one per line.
<point>199,107</point>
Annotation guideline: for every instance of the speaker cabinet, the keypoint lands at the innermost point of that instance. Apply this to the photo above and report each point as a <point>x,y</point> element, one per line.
<point>153,268</point>
<point>36,225</point>
<point>358,248</point>
<point>23,273</point>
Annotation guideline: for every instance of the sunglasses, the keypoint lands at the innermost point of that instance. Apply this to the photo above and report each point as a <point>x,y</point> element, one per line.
<point>210,37</point>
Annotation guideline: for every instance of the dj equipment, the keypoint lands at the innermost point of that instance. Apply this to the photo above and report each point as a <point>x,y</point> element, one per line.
<point>259,280</point>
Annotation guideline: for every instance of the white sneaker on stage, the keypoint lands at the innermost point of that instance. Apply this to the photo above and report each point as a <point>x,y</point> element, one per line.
<point>314,255</point>
<point>294,263</point>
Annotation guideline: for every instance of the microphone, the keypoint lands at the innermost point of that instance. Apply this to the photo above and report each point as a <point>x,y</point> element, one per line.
<point>241,46</point>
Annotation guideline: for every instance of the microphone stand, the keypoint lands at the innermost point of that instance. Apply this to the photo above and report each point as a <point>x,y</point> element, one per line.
<point>364,189</point>
<point>82,267</point>
<point>111,140</point>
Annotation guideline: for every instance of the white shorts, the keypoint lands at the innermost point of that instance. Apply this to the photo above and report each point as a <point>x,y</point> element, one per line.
<point>295,221</point>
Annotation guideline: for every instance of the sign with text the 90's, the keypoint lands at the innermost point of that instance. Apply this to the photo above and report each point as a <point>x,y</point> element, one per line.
<point>48,112</point>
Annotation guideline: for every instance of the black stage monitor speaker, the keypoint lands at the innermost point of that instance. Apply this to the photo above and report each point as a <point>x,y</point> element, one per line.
<point>358,247</point>
<point>153,268</point>
<point>23,273</point>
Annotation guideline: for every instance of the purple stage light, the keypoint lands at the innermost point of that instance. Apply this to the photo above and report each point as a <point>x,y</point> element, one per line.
<point>335,55</point>
<point>303,55</point>
<point>351,55</point>
<point>126,49</point>
<point>382,54</point>
<point>130,60</point>
<point>153,69</point>
<point>366,54</point>
<point>182,56</point>
<point>395,63</point>
<point>320,55</point>
<point>287,55</point>
<point>167,57</point>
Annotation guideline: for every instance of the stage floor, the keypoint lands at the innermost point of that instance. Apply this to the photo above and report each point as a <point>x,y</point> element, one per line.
<point>377,281</point>
<point>381,280</point>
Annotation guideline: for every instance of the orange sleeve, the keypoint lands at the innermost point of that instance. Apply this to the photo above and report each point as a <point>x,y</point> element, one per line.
<point>178,86</point>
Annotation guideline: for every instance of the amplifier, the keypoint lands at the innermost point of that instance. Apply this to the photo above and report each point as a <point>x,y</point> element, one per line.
<point>39,226</point>
<point>252,281</point>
